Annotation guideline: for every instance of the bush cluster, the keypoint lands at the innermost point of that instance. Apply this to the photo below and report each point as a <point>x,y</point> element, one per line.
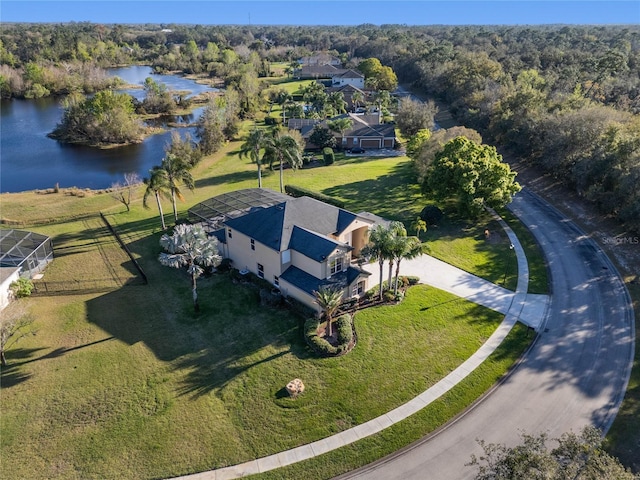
<point>320,345</point>
<point>295,191</point>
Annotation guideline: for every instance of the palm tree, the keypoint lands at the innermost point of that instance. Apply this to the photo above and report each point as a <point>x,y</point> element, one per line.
<point>328,299</point>
<point>284,147</point>
<point>396,231</point>
<point>380,238</point>
<point>251,148</point>
<point>419,225</point>
<point>189,246</point>
<point>404,248</point>
<point>177,171</point>
<point>158,185</point>
<point>337,103</point>
<point>356,98</point>
<point>340,125</point>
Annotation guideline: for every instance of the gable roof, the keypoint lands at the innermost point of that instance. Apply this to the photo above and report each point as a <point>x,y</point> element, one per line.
<point>263,224</point>
<point>349,74</point>
<point>312,220</point>
<point>310,244</point>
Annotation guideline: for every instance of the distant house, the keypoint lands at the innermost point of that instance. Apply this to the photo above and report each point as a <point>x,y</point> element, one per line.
<point>366,132</point>
<point>297,244</point>
<point>317,72</point>
<point>320,59</point>
<point>348,77</point>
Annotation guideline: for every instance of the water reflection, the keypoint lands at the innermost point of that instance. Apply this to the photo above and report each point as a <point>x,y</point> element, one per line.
<point>30,160</point>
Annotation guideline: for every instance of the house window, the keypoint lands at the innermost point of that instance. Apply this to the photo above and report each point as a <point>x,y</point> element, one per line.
<point>260,271</point>
<point>355,140</point>
<point>344,140</point>
<point>358,289</point>
<point>229,233</point>
<point>276,281</point>
<point>335,265</point>
<point>253,244</point>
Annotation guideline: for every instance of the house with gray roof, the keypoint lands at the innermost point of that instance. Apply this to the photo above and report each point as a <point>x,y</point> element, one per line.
<point>366,131</point>
<point>298,244</point>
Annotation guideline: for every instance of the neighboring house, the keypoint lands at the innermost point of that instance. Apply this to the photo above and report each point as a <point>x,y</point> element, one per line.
<point>348,77</point>
<point>366,132</point>
<point>317,72</point>
<point>320,59</point>
<point>297,244</point>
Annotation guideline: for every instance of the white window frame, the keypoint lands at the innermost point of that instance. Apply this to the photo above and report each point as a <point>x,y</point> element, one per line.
<point>253,244</point>
<point>334,264</point>
<point>260,270</point>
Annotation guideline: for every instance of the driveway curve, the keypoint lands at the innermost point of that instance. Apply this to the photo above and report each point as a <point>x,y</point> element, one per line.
<point>574,375</point>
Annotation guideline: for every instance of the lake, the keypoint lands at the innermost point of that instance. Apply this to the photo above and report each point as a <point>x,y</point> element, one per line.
<point>29,160</point>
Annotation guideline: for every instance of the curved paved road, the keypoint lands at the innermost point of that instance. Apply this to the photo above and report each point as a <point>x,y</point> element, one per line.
<point>575,374</point>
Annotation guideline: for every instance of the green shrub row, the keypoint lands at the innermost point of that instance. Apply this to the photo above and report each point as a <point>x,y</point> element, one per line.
<point>296,191</point>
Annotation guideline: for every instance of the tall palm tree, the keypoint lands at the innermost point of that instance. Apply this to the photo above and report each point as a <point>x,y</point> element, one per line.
<point>380,238</point>
<point>328,299</point>
<point>189,246</point>
<point>251,148</point>
<point>396,231</point>
<point>404,248</point>
<point>284,147</point>
<point>177,171</point>
<point>157,185</point>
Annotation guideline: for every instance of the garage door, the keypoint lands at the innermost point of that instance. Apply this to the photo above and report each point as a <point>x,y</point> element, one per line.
<point>371,143</point>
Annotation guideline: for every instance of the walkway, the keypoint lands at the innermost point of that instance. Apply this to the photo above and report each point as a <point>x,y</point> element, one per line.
<point>518,305</point>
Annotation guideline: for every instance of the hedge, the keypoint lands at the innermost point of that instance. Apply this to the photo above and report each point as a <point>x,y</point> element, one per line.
<point>295,191</point>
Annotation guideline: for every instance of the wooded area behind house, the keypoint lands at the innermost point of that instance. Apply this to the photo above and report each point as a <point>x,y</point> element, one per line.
<point>566,98</point>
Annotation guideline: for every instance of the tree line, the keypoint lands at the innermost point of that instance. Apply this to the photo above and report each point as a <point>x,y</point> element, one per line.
<point>565,98</point>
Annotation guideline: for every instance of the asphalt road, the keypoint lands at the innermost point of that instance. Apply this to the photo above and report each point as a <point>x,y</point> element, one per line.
<point>575,374</point>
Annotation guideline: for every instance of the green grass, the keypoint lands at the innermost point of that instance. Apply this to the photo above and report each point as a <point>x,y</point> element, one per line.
<point>130,383</point>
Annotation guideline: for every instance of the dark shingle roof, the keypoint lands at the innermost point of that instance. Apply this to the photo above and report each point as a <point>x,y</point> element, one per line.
<point>263,225</point>
<point>311,245</point>
<point>308,283</point>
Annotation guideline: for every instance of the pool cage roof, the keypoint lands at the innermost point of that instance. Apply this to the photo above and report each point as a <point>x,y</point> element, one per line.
<point>223,207</point>
<point>29,250</point>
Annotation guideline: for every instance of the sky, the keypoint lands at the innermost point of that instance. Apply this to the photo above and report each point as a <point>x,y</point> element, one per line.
<point>326,12</point>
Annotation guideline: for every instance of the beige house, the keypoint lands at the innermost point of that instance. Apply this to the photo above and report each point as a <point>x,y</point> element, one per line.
<point>297,244</point>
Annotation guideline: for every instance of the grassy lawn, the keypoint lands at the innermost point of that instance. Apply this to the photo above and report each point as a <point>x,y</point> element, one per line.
<point>114,384</point>
<point>127,382</point>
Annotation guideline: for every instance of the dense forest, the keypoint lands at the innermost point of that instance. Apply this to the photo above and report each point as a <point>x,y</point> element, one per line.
<point>566,98</point>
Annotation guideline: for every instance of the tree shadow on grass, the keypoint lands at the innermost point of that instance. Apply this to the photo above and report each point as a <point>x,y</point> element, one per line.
<point>228,178</point>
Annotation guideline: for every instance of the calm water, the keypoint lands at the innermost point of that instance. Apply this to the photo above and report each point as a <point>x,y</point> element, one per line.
<point>30,160</point>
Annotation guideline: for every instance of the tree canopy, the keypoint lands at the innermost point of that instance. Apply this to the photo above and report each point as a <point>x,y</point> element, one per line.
<point>106,118</point>
<point>473,174</point>
<point>577,457</point>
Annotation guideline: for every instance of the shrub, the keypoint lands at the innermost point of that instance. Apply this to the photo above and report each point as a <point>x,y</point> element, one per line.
<point>344,329</point>
<point>328,156</point>
<point>431,214</point>
<point>21,287</point>
<point>320,345</point>
<point>295,191</point>
<point>272,121</point>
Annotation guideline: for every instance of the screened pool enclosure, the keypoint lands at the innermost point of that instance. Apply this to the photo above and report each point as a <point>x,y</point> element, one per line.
<point>27,251</point>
